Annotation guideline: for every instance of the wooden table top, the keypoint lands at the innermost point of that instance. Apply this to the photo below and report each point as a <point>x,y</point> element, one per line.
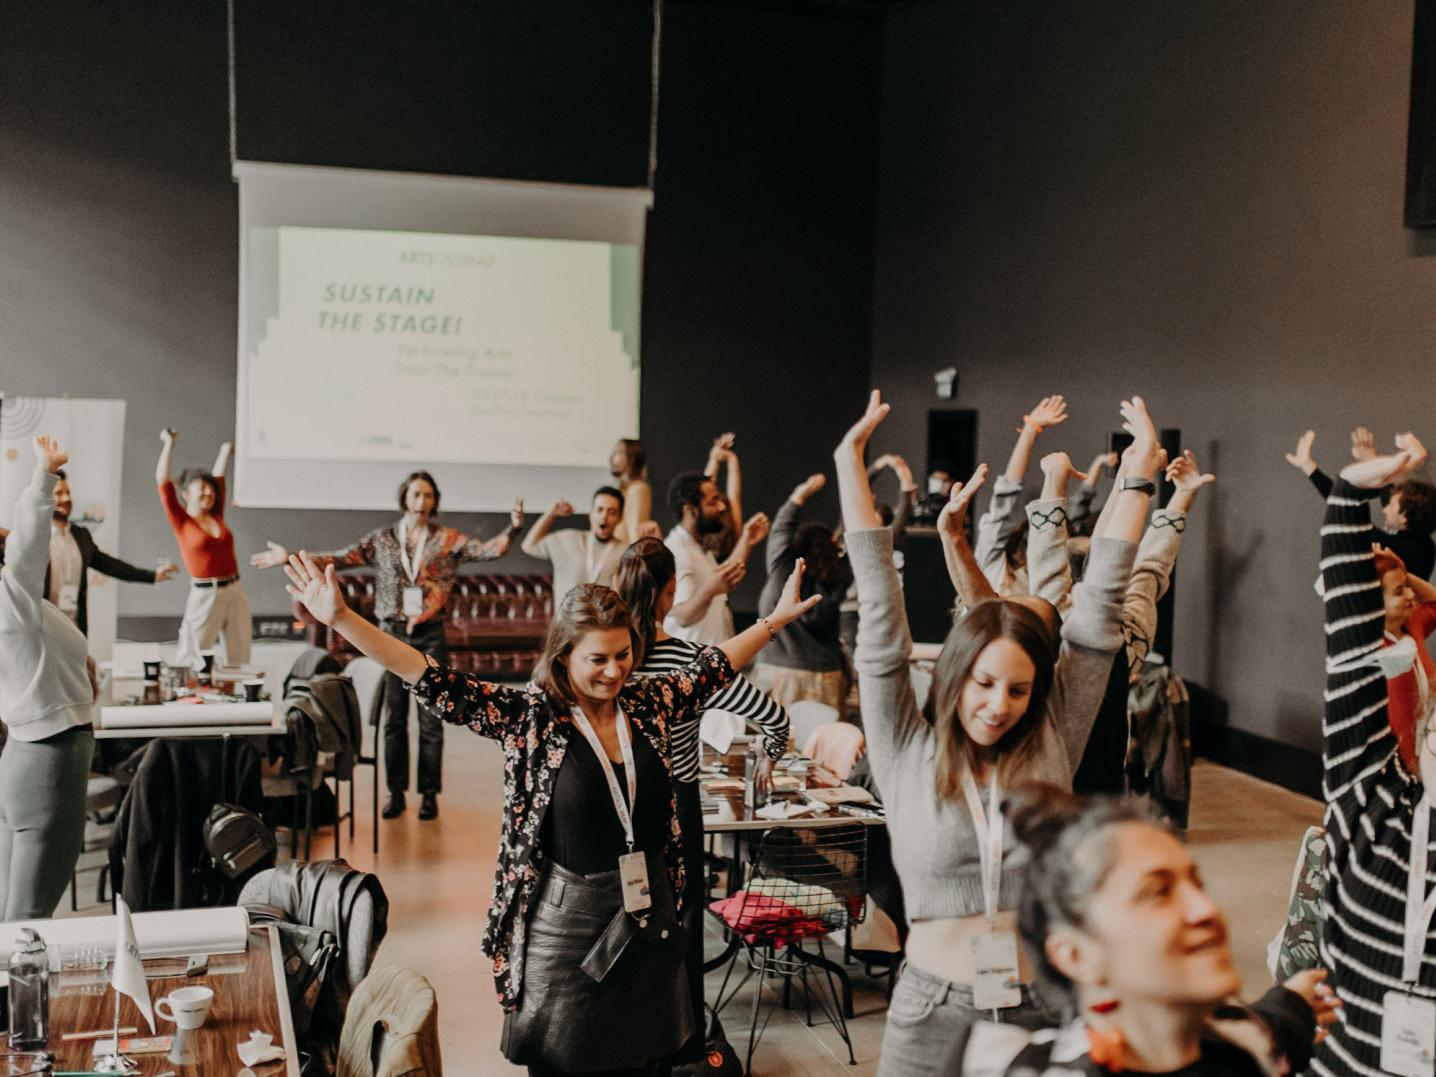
<point>249,993</point>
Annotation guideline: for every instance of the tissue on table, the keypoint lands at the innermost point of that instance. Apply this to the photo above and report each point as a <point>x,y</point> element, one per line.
<point>259,1048</point>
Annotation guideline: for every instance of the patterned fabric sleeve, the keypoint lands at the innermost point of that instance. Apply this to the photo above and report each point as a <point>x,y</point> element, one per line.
<point>1049,570</point>
<point>682,693</point>
<point>475,549</point>
<point>489,709</point>
<point>1356,738</point>
<point>351,556</point>
<point>1151,576</point>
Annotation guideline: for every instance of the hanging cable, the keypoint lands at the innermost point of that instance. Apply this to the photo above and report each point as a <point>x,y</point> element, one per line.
<point>233,119</point>
<point>652,91</point>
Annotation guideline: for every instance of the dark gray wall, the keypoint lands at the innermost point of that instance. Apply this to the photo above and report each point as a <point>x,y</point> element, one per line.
<point>1198,202</point>
<point>118,263</point>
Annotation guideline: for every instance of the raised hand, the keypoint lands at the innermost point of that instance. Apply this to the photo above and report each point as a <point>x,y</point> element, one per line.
<point>274,556</point>
<point>516,514</point>
<point>952,518</point>
<point>318,591</point>
<point>791,605</point>
<point>808,487</point>
<point>1386,558</point>
<point>561,508</point>
<point>903,472</point>
<point>755,530</point>
<point>1411,445</point>
<point>1186,476</point>
<point>1302,459</point>
<point>166,571</point>
<point>1107,460</point>
<point>49,455</point>
<point>1363,445</point>
<point>861,432</point>
<point>1144,455</point>
<point>168,436</point>
<point>728,576</point>
<point>1059,464</point>
<point>650,529</point>
<point>1049,412</point>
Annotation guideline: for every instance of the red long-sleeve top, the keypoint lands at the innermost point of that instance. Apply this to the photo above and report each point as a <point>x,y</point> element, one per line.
<point>205,556</point>
<point>1403,693</point>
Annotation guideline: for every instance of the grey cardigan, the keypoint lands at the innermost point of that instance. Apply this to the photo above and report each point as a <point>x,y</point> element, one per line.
<point>44,684</point>
<point>934,844</point>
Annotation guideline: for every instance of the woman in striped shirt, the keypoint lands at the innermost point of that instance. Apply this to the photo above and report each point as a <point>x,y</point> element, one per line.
<point>645,580</point>
<point>1373,804</point>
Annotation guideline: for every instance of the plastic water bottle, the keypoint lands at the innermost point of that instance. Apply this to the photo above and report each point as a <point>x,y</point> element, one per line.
<point>29,993</point>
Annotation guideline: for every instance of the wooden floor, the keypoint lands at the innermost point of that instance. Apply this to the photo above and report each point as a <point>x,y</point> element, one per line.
<point>437,875</point>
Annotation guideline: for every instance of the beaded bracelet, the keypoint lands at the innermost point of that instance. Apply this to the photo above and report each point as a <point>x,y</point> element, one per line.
<point>772,633</point>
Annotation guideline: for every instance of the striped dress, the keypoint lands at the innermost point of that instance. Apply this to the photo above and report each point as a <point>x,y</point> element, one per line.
<point>1370,800</point>
<point>739,697</point>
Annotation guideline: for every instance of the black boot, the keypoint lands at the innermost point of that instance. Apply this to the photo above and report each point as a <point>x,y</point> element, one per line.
<point>429,806</point>
<point>394,806</point>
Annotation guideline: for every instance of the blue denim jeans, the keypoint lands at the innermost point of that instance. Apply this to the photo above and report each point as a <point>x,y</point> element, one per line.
<point>929,1020</point>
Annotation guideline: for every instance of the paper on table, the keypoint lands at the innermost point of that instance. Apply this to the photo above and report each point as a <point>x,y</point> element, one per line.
<point>784,809</point>
<point>842,794</point>
<point>186,714</point>
<point>719,728</point>
<point>171,933</point>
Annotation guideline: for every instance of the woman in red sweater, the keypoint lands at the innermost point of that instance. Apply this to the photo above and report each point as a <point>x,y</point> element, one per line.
<point>217,604</point>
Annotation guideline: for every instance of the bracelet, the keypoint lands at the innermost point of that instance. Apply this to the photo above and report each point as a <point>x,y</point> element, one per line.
<point>772,633</point>
<point>1027,421</point>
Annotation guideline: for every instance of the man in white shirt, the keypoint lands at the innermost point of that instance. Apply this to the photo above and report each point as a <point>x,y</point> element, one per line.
<point>700,611</point>
<point>73,553</point>
<point>579,556</point>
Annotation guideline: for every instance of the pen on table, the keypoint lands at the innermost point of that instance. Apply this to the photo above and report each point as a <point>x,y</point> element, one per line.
<point>70,1037</point>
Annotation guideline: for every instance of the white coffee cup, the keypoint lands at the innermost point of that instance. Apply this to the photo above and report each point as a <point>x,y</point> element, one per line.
<point>186,1007</point>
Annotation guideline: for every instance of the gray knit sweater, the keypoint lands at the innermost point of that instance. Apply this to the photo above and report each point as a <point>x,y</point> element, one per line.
<point>44,686</point>
<point>934,844</point>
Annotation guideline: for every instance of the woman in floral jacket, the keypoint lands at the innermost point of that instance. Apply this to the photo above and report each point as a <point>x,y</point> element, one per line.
<point>578,951</point>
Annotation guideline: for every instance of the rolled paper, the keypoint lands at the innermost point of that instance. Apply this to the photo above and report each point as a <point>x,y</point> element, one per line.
<point>168,933</point>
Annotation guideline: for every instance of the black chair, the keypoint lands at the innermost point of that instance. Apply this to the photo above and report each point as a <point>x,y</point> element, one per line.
<point>803,884</point>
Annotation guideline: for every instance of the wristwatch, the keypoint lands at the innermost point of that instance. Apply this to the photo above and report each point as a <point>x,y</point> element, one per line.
<point>1146,486</point>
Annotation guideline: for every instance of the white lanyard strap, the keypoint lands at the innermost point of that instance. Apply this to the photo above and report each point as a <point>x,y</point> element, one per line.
<point>1419,904</point>
<point>412,568</point>
<point>989,840</point>
<point>625,746</point>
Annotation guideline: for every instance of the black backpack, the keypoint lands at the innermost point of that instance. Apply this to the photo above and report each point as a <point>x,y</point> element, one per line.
<point>238,841</point>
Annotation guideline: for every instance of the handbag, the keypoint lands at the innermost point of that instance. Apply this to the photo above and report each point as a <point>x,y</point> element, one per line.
<point>719,1057</point>
<point>237,840</point>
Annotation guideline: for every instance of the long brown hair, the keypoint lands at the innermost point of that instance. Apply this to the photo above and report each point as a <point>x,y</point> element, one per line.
<point>981,625</point>
<point>589,607</point>
<point>635,458</point>
<point>643,572</point>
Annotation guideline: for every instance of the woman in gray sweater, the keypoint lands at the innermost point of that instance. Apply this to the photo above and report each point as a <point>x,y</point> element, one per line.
<point>47,698</point>
<point>1008,706</point>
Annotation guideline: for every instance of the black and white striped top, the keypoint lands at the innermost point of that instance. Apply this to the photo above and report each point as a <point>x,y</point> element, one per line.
<point>739,697</point>
<point>1370,801</point>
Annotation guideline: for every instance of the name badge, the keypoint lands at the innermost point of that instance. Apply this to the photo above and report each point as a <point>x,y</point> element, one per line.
<point>633,873</point>
<point>70,598</point>
<point>996,984</point>
<point>1408,1035</point>
<point>413,601</point>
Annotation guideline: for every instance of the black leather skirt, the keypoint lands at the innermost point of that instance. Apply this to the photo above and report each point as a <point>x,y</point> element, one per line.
<point>601,990</point>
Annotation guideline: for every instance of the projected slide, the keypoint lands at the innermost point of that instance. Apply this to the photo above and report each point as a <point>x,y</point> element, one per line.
<point>431,348</point>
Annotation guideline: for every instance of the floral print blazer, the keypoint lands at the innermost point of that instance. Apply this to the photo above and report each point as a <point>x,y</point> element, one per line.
<point>534,730</point>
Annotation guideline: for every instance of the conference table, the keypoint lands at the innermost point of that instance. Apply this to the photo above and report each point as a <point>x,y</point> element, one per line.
<point>122,717</point>
<point>249,994</point>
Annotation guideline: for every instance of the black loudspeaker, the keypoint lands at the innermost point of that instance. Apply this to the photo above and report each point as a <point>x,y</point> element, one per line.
<point>1421,128</point>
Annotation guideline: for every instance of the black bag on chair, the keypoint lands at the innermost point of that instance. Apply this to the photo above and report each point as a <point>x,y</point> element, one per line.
<point>719,1058</point>
<point>238,841</point>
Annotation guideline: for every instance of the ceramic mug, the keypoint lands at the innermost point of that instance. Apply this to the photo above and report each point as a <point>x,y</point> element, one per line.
<point>186,1007</point>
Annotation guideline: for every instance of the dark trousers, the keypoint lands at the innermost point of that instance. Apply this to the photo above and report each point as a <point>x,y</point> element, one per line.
<point>428,637</point>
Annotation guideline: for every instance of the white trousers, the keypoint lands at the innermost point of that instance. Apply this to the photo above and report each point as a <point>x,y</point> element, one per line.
<point>210,612</point>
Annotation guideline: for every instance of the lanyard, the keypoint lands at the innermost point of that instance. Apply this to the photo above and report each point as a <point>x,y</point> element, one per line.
<point>625,746</point>
<point>1419,904</point>
<point>989,840</point>
<point>412,569</point>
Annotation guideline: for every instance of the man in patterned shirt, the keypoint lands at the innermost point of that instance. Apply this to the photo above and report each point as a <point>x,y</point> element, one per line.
<point>415,566</point>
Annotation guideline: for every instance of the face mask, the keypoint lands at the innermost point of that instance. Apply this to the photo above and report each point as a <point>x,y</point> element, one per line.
<point>936,484</point>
